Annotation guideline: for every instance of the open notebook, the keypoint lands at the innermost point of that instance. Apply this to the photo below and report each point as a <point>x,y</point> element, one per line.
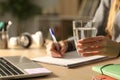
<point>112,70</point>
<point>71,59</point>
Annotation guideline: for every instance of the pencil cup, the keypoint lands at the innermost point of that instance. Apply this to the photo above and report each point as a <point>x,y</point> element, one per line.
<point>3,40</point>
<point>83,28</point>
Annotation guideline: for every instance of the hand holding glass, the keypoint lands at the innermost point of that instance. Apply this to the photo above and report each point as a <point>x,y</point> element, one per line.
<point>83,28</point>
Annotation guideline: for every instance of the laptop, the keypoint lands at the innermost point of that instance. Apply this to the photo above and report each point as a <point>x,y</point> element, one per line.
<point>17,67</point>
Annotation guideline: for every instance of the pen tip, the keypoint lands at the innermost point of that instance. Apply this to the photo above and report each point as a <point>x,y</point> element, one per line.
<point>51,31</point>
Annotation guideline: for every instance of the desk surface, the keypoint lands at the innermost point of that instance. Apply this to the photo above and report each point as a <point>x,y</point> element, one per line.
<point>59,72</point>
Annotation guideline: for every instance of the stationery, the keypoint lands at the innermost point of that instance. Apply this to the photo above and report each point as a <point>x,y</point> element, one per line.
<point>54,38</point>
<point>70,59</point>
<point>112,70</point>
<point>103,77</point>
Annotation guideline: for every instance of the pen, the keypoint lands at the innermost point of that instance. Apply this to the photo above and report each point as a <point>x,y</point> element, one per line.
<point>54,39</point>
<point>1,25</point>
<point>7,25</point>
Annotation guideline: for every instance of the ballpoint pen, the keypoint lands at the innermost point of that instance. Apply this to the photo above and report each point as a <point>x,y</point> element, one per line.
<point>54,39</point>
<point>7,25</point>
<point>1,25</point>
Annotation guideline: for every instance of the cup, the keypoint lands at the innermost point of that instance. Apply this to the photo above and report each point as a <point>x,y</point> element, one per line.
<point>3,40</point>
<point>83,28</point>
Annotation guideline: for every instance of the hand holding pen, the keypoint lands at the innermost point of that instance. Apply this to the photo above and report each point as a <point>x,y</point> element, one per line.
<point>54,39</point>
<point>54,48</point>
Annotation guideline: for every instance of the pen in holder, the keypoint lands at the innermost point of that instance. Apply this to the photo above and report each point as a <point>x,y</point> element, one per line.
<point>3,40</point>
<point>4,34</point>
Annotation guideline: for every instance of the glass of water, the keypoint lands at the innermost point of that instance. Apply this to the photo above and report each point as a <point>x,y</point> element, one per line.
<point>83,28</point>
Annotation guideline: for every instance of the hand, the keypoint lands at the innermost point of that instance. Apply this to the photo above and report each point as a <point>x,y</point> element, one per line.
<point>52,51</point>
<point>99,45</point>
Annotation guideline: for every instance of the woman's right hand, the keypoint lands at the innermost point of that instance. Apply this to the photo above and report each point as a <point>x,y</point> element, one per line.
<point>52,51</point>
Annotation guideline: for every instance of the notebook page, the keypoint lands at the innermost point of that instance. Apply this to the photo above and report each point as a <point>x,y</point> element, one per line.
<point>70,58</point>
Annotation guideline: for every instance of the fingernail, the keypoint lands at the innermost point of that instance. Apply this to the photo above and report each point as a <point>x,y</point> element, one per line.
<point>59,55</point>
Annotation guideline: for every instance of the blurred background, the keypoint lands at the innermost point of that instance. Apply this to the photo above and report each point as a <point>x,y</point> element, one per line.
<point>39,15</point>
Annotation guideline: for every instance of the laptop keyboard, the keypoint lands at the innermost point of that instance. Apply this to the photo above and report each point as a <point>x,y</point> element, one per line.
<point>7,69</point>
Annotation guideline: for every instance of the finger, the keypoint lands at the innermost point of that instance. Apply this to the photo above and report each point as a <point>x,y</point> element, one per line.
<point>89,49</point>
<point>97,43</point>
<point>56,54</point>
<point>91,39</point>
<point>87,54</point>
<point>51,50</point>
<point>63,47</point>
<point>63,50</point>
<point>53,53</point>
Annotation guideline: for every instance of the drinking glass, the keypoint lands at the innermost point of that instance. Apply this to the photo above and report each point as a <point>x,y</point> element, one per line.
<point>83,28</point>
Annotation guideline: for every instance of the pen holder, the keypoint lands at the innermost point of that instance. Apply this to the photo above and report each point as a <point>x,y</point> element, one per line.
<point>3,39</point>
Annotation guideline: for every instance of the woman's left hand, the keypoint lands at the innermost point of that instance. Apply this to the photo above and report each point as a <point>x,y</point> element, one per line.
<point>99,45</point>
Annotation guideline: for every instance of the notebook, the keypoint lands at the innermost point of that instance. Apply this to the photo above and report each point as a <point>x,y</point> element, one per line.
<point>17,67</point>
<point>103,77</point>
<point>71,59</point>
<point>110,70</point>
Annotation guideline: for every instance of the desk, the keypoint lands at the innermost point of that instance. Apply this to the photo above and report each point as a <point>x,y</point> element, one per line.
<point>59,72</point>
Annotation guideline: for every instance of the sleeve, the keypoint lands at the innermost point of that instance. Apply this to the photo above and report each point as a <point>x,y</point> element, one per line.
<point>100,19</point>
<point>101,16</point>
<point>70,44</point>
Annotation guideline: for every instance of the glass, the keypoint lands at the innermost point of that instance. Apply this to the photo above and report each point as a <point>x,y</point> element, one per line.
<point>83,28</point>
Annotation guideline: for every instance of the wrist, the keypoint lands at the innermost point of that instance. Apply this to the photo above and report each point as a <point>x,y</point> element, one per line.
<point>69,46</point>
<point>118,54</point>
<point>119,50</point>
<point>66,45</point>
